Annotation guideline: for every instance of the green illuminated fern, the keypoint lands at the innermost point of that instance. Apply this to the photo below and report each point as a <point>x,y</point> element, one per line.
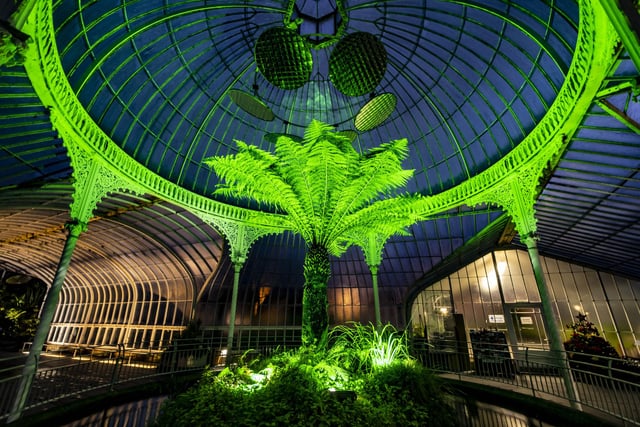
<point>331,194</point>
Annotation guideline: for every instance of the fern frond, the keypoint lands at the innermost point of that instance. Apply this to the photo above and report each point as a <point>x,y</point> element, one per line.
<point>292,165</point>
<point>330,193</point>
<point>399,148</point>
<point>377,175</point>
<point>327,168</point>
<point>387,217</point>
<point>251,174</point>
<point>315,130</point>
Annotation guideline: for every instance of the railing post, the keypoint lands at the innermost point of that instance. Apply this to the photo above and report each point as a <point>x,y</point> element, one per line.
<point>115,374</point>
<point>528,364</point>
<point>174,357</point>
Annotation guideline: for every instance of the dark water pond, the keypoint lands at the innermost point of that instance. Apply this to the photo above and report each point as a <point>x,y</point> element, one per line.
<point>470,414</point>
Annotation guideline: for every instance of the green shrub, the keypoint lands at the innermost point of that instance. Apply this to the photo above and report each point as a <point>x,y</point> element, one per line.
<point>339,386</point>
<point>211,402</point>
<point>408,394</point>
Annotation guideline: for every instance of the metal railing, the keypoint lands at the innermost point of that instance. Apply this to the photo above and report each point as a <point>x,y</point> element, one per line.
<point>602,385</point>
<point>66,371</point>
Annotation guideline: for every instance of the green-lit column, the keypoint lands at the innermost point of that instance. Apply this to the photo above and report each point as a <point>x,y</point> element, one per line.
<point>372,246</point>
<point>237,266</point>
<point>517,196</point>
<point>240,244</point>
<point>376,295</point>
<point>240,238</point>
<point>48,310</point>
<point>551,324</point>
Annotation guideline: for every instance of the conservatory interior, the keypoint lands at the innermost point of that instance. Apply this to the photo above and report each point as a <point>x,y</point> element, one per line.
<point>255,173</point>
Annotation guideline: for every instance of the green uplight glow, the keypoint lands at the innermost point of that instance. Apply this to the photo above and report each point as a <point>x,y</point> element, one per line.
<point>372,347</point>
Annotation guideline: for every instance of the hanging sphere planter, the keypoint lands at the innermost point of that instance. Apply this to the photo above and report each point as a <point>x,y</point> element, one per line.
<point>283,57</point>
<point>357,64</point>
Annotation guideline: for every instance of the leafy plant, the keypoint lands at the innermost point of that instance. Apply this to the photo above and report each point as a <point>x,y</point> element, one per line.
<point>19,309</point>
<point>368,348</point>
<point>408,394</point>
<point>332,196</point>
<point>319,387</point>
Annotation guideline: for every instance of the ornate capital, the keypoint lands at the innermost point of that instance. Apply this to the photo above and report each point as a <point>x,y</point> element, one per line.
<point>76,227</point>
<point>92,181</point>
<point>517,196</point>
<point>239,236</point>
<point>13,46</point>
<point>372,248</point>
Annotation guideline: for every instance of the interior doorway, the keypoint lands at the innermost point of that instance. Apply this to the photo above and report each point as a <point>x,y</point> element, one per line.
<point>527,326</point>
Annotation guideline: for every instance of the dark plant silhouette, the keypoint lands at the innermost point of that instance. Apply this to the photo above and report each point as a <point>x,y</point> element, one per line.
<point>586,339</point>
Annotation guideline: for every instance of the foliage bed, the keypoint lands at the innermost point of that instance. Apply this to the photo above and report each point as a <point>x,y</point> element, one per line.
<point>19,312</point>
<point>364,378</point>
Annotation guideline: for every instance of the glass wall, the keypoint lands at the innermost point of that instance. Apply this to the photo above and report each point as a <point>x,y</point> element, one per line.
<point>140,315</point>
<point>499,292</point>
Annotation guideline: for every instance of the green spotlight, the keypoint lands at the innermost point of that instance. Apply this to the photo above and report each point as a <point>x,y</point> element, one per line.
<point>376,111</point>
<point>251,104</point>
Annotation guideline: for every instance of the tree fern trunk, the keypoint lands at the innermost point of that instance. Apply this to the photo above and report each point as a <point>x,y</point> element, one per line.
<point>315,304</point>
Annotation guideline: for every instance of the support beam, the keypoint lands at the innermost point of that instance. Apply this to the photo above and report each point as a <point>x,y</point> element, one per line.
<point>240,238</point>
<point>376,295</point>
<point>550,322</point>
<point>620,115</point>
<point>626,20</point>
<point>372,247</point>
<point>49,308</point>
<point>517,197</point>
<point>234,305</point>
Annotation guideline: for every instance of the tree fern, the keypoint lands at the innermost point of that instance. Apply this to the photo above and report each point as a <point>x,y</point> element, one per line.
<point>332,195</point>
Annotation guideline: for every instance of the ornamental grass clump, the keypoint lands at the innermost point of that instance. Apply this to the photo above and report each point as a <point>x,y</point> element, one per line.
<point>368,348</point>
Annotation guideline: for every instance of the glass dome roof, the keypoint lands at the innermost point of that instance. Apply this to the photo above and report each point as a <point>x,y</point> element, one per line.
<point>471,78</point>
